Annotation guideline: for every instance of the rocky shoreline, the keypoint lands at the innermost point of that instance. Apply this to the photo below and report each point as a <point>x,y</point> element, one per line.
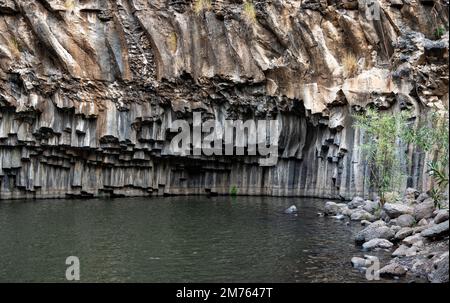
<point>412,229</point>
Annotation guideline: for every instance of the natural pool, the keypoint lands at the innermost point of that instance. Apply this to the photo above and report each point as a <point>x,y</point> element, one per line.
<point>176,239</point>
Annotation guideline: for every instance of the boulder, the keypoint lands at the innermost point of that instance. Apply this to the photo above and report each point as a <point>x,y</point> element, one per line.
<point>395,228</point>
<point>412,239</point>
<point>422,222</point>
<point>394,210</point>
<point>406,220</point>
<point>371,206</point>
<point>405,251</point>
<point>347,212</point>
<point>356,202</point>
<point>375,230</point>
<point>332,208</point>
<point>403,233</point>
<point>424,210</point>
<point>361,214</point>
<point>436,231</point>
<point>365,223</point>
<point>439,272</point>
<point>422,197</point>
<point>393,269</point>
<point>291,210</point>
<point>441,216</point>
<point>410,195</point>
<point>377,243</point>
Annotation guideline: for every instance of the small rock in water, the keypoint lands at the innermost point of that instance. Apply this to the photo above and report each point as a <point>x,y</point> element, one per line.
<point>358,262</point>
<point>377,243</point>
<point>365,223</point>
<point>291,210</point>
<point>339,217</point>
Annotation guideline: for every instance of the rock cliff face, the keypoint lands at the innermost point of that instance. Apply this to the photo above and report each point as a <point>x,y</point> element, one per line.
<point>88,89</point>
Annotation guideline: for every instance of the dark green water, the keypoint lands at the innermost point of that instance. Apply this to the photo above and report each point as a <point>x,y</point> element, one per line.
<point>176,239</point>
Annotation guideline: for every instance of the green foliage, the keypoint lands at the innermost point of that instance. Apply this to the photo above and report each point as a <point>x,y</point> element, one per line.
<point>382,134</point>
<point>233,191</point>
<point>439,32</point>
<point>433,137</point>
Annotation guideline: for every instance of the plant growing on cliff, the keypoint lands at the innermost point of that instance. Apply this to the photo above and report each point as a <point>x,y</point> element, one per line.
<point>382,132</point>
<point>201,5</point>
<point>233,191</point>
<point>350,65</point>
<point>69,5</point>
<point>249,11</point>
<point>15,47</point>
<point>439,32</point>
<point>172,42</point>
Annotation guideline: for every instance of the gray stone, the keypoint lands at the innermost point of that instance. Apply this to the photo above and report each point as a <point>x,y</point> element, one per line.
<point>406,220</point>
<point>410,195</point>
<point>441,216</point>
<point>395,228</point>
<point>405,251</point>
<point>291,210</point>
<point>358,262</point>
<point>338,217</point>
<point>393,210</point>
<point>333,208</point>
<point>375,230</point>
<point>436,231</point>
<point>371,206</point>
<point>439,273</point>
<point>393,270</point>
<point>360,214</point>
<point>403,233</point>
<point>356,201</point>
<point>377,243</point>
<point>412,239</point>
<point>422,197</point>
<point>422,222</point>
<point>365,222</point>
<point>424,210</point>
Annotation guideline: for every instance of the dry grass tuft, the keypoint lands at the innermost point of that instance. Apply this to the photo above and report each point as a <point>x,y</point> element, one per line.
<point>172,42</point>
<point>15,47</point>
<point>350,65</point>
<point>69,5</point>
<point>201,5</point>
<point>249,11</point>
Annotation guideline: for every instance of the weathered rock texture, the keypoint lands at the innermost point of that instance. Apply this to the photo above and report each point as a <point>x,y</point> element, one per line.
<point>89,87</point>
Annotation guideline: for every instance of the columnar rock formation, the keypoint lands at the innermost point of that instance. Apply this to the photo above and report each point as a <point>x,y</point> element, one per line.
<point>88,89</point>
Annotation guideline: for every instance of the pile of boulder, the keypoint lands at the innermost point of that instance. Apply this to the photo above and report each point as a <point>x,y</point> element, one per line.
<point>413,228</point>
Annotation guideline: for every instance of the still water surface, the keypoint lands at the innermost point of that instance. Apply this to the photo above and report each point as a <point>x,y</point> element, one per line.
<point>176,239</point>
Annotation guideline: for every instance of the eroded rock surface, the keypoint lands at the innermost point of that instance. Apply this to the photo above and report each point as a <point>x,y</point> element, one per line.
<point>89,88</point>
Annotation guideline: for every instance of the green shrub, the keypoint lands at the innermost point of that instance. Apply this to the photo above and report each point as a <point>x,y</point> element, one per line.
<point>380,149</point>
<point>433,137</point>
<point>233,191</point>
<point>439,32</point>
